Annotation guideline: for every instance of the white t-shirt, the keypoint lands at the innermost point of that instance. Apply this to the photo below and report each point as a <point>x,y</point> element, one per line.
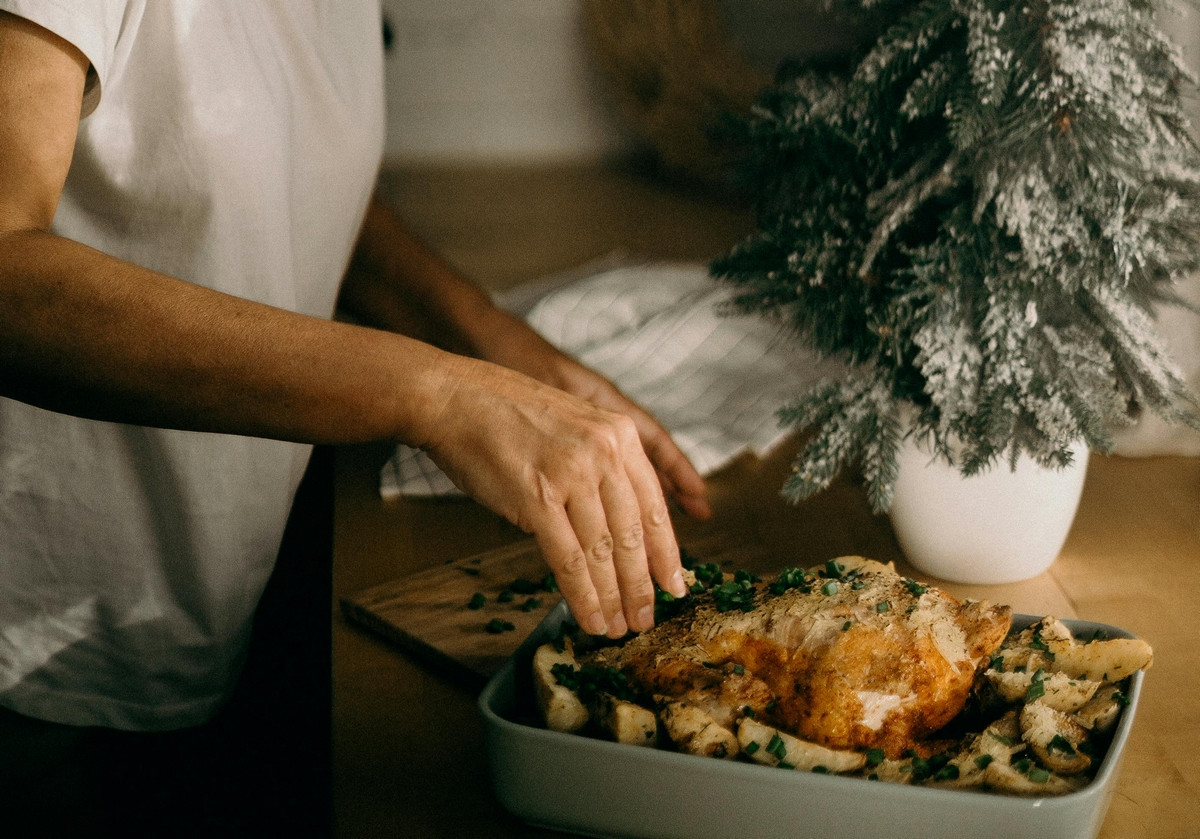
<point>234,144</point>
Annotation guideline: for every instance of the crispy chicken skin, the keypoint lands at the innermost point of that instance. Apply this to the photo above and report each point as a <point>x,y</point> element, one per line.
<point>855,657</point>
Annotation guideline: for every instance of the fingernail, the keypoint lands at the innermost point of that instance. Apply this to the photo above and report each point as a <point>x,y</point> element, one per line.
<point>618,627</point>
<point>645,618</point>
<point>678,586</point>
<point>596,625</point>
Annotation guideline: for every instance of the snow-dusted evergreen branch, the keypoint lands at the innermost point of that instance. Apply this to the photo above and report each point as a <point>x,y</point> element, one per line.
<point>979,218</point>
<point>902,210</point>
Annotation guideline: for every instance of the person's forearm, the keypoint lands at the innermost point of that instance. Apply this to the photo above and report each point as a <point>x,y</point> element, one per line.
<point>396,282</point>
<point>87,334</point>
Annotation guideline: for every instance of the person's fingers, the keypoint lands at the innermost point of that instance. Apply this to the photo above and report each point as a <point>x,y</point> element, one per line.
<point>590,522</point>
<point>658,535</point>
<point>629,549</point>
<point>555,537</point>
<point>676,473</point>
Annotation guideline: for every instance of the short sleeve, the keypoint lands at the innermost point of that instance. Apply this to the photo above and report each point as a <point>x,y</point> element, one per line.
<point>94,27</point>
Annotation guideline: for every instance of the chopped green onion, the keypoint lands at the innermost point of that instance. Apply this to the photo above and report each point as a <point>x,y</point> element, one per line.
<point>686,559</point>
<point>477,600</point>
<point>496,626</point>
<point>1039,644</point>
<point>1037,687</point>
<point>523,586</point>
<point>949,772</point>
<point>1060,744</point>
<point>565,675</point>
<point>777,747</point>
<point>790,578</point>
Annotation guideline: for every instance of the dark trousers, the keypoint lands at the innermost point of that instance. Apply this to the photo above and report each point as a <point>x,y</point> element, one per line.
<point>260,767</point>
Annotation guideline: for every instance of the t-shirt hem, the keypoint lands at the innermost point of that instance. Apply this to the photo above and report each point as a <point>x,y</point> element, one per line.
<point>106,712</point>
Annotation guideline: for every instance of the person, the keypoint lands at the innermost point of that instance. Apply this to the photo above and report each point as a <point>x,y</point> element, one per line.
<point>185,199</point>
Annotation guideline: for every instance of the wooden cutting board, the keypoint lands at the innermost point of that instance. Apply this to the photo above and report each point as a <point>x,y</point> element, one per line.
<point>428,613</point>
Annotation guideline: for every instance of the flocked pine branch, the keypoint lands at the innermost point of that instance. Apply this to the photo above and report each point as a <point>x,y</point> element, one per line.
<point>979,219</point>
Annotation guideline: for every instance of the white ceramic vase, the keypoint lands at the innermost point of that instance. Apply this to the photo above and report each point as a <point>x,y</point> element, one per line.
<point>999,526</point>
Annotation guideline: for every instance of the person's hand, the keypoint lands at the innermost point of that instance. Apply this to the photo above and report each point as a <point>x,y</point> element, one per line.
<point>512,343</point>
<point>573,474</point>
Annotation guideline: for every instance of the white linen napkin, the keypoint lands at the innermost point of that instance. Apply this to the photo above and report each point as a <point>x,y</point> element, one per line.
<point>714,381</point>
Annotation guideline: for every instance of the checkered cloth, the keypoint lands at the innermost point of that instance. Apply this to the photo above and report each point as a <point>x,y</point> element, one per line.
<point>715,381</point>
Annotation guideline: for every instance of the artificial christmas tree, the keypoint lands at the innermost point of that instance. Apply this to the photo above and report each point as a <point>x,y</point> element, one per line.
<point>979,218</point>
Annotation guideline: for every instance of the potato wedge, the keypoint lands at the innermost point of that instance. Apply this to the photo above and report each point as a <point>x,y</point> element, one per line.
<point>625,721</point>
<point>1054,738</point>
<point>1004,777</point>
<point>1000,741</point>
<point>561,709</point>
<point>695,731</point>
<point>1048,645</point>
<point>892,771</point>
<point>1102,710</point>
<point>1101,661</point>
<point>772,747</point>
<point>1058,690</point>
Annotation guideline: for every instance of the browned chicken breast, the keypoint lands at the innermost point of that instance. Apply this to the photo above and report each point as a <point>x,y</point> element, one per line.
<point>850,656</point>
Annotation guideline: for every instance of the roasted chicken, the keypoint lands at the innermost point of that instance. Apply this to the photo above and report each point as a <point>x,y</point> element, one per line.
<point>848,656</point>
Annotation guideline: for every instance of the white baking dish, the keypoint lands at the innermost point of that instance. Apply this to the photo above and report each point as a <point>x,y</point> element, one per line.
<point>593,787</point>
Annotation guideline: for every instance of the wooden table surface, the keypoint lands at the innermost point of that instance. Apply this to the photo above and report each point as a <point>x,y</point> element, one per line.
<point>408,742</point>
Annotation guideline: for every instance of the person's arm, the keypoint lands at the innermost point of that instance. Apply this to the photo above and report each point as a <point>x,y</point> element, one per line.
<point>396,282</point>
<point>84,333</point>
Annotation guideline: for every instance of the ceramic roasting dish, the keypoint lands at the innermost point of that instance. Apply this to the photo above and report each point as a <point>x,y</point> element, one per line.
<point>593,787</point>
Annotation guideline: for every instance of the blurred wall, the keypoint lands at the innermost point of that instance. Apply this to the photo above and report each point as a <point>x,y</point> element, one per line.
<point>493,80</point>
<point>510,80</point>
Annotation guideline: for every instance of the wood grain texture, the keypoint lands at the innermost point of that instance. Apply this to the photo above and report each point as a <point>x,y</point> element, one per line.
<point>428,614</point>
